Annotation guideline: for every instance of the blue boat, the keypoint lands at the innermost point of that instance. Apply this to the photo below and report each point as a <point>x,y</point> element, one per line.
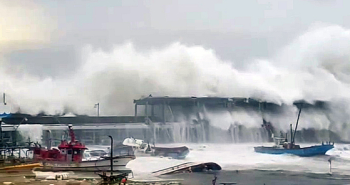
<point>303,152</point>
<point>282,146</point>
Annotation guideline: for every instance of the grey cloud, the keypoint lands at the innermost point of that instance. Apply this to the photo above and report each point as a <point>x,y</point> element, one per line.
<point>47,62</point>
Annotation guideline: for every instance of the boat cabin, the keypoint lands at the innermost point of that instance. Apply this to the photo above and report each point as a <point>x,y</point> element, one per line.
<point>72,151</point>
<point>283,143</point>
<point>279,141</point>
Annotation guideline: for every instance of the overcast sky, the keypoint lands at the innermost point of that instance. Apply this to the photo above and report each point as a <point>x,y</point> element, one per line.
<point>236,30</point>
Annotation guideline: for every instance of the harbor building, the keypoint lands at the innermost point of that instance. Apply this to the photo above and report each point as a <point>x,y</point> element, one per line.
<point>159,120</point>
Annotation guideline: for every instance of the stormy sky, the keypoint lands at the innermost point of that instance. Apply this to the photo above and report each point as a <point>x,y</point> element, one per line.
<point>236,30</point>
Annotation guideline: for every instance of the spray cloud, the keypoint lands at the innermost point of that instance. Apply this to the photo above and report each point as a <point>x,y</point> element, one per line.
<point>314,67</point>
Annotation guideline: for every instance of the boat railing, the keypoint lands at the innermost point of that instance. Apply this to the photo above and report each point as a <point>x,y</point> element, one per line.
<point>327,143</point>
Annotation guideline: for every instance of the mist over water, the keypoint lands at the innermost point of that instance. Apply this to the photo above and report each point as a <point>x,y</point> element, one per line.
<point>32,132</point>
<point>315,66</point>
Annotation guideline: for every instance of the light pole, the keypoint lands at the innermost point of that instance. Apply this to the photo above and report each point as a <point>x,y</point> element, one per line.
<point>97,105</point>
<point>4,98</point>
<point>111,157</point>
<point>1,134</point>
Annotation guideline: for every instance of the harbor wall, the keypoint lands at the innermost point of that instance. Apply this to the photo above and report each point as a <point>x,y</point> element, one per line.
<point>182,133</point>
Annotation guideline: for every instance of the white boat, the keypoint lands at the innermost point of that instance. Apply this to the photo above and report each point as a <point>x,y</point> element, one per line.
<point>138,145</point>
<point>141,148</point>
<point>95,165</point>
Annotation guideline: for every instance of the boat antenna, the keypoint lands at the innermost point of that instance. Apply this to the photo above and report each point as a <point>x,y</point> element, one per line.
<point>296,126</point>
<point>291,133</point>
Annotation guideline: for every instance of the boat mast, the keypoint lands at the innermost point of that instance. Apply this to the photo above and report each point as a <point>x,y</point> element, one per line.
<point>296,126</point>
<point>71,134</point>
<point>291,133</point>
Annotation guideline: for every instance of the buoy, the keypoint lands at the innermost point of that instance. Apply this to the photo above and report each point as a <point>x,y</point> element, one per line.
<point>123,180</point>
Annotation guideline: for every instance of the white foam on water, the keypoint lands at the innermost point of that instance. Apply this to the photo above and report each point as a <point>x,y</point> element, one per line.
<point>243,157</point>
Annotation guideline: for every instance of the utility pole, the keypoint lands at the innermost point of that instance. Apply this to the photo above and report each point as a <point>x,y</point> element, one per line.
<point>97,105</point>
<point>4,98</point>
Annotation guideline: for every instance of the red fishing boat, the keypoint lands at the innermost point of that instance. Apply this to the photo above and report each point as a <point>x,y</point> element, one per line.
<point>70,157</point>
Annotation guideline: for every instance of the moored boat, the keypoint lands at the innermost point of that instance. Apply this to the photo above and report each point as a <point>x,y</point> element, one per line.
<point>69,157</point>
<point>173,152</point>
<point>21,167</point>
<point>282,146</point>
<point>296,150</point>
<point>119,165</point>
<point>142,148</point>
